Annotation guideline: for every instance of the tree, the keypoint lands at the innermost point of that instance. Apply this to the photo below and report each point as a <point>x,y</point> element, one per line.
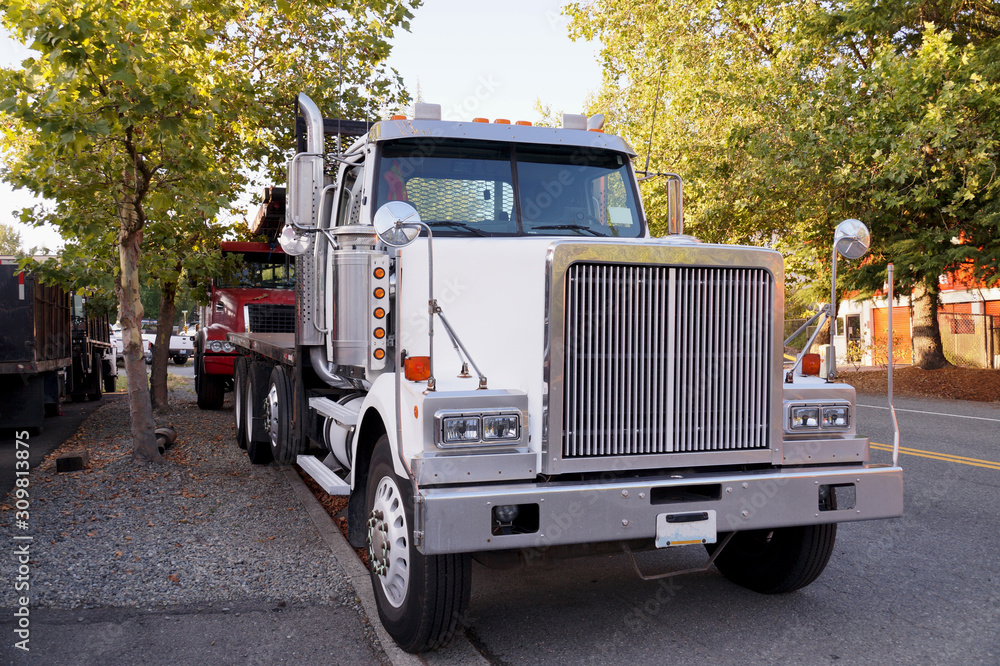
<point>10,240</point>
<point>145,115</point>
<point>787,118</point>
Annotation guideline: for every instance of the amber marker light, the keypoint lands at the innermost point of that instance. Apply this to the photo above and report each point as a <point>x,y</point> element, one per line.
<point>379,354</point>
<point>526,123</point>
<point>810,364</point>
<point>379,292</point>
<point>417,368</point>
<point>480,120</point>
<point>379,273</point>
<point>501,121</point>
<point>399,117</point>
<point>379,333</point>
<point>379,313</point>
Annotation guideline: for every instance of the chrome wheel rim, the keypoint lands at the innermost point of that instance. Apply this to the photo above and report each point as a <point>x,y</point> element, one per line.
<point>239,400</point>
<point>388,550</point>
<point>248,420</point>
<point>271,415</point>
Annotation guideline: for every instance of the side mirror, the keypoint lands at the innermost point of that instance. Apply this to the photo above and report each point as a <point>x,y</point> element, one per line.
<point>852,239</point>
<point>396,224</point>
<point>292,243</point>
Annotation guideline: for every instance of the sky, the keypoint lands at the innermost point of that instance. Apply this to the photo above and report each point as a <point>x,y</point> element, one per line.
<point>475,59</point>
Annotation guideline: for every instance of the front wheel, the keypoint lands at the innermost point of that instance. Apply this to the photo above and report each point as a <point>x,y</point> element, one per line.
<point>211,391</point>
<point>421,599</point>
<point>779,560</point>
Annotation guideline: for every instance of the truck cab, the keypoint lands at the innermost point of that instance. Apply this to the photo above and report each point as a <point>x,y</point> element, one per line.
<point>257,298</point>
<point>494,358</point>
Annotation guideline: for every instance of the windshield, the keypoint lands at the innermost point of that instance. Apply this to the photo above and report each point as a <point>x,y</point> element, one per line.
<point>262,271</point>
<point>496,189</point>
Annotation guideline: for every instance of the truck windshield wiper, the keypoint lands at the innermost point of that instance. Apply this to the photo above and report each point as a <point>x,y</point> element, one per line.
<point>460,225</point>
<point>574,227</point>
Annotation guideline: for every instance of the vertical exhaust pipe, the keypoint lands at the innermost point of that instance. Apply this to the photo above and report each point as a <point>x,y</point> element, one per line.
<point>314,124</point>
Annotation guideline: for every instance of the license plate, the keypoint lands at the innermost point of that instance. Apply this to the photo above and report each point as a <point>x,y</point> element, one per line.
<point>685,528</point>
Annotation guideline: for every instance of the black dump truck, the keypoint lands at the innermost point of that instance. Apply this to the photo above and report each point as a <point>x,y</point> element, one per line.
<point>49,348</point>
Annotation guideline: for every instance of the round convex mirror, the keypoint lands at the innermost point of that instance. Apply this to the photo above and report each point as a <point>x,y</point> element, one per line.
<point>292,243</point>
<point>852,239</point>
<point>395,223</point>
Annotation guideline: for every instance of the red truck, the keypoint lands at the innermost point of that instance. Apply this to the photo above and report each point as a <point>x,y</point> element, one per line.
<point>258,298</point>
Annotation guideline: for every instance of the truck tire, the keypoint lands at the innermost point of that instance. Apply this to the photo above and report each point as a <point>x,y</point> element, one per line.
<point>422,600</point>
<point>779,560</point>
<point>95,380</point>
<point>109,384</point>
<point>240,401</point>
<point>278,416</point>
<point>258,443</point>
<point>211,391</point>
<point>180,359</point>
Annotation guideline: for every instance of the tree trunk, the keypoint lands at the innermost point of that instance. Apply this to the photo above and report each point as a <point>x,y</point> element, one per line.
<point>928,352</point>
<point>144,447</point>
<point>161,352</point>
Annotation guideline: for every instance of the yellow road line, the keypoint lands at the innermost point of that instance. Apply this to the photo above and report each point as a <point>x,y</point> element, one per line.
<point>945,457</point>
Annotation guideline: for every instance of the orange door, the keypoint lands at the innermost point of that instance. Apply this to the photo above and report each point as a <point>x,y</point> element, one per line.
<point>900,333</point>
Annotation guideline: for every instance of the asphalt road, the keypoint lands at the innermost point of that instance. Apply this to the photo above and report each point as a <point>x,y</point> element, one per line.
<point>56,430</point>
<point>922,589</point>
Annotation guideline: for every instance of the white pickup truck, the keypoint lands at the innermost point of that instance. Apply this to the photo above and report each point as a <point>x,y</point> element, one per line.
<point>181,344</point>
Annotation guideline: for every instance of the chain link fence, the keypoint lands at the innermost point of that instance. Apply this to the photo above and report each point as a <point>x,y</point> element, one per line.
<point>971,340</point>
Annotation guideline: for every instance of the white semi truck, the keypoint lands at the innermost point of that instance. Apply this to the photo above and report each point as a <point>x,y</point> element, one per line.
<point>495,359</point>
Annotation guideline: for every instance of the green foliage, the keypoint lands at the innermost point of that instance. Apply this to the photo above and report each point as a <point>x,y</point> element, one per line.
<point>785,118</point>
<point>10,240</point>
<point>142,121</point>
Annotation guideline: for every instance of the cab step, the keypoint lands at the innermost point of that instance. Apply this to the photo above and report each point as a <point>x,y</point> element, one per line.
<point>323,475</point>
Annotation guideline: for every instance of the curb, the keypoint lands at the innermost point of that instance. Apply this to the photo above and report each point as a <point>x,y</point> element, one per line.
<point>460,651</point>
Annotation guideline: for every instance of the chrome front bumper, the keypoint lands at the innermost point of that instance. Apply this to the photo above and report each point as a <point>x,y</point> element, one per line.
<point>459,519</point>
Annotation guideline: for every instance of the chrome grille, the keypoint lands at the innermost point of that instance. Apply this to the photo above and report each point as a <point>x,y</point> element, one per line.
<point>663,359</point>
<point>270,318</point>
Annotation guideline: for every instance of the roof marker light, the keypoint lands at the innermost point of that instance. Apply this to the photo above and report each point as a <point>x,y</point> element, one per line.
<point>480,120</point>
<point>501,121</point>
<point>523,122</point>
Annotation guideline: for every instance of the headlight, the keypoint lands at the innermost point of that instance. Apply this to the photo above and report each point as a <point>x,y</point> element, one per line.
<point>819,417</point>
<point>215,346</point>
<point>500,427</point>
<point>805,417</point>
<point>227,346</point>
<point>488,428</point>
<point>461,430</point>
<point>836,417</point>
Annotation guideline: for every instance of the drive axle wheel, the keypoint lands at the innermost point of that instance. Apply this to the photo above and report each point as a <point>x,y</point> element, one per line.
<point>258,443</point>
<point>278,417</point>
<point>421,599</point>
<point>240,401</point>
<point>779,560</point>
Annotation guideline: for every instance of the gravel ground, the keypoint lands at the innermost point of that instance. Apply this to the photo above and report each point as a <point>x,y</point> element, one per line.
<point>205,527</point>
